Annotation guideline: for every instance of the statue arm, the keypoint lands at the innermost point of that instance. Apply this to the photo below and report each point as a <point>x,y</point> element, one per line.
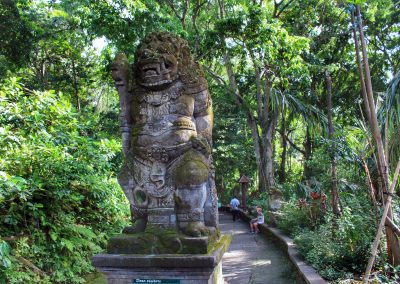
<point>204,117</point>
<point>121,73</point>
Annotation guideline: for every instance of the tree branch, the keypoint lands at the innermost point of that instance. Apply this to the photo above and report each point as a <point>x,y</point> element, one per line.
<point>196,12</point>
<point>291,143</point>
<point>29,264</point>
<point>283,8</point>
<point>220,81</point>
<point>170,3</point>
<point>185,9</point>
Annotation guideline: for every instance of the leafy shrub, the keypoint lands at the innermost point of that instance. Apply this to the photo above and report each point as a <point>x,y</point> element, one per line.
<point>293,218</point>
<point>262,201</point>
<point>58,194</point>
<point>339,247</point>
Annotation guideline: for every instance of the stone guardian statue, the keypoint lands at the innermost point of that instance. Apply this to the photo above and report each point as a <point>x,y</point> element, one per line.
<point>166,123</point>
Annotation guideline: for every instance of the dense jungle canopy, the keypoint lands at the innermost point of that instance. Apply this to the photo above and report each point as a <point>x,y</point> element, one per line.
<point>306,101</point>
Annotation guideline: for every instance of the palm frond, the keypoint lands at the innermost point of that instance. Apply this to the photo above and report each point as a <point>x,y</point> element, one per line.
<point>313,116</point>
<point>389,119</point>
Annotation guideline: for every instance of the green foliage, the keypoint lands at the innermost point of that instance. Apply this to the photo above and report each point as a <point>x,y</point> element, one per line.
<point>337,247</point>
<point>294,218</point>
<point>232,146</point>
<point>258,200</point>
<point>341,249</point>
<point>356,1</point>
<point>16,38</point>
<point>58,194</point>
<point>392,277</point>
<point>389,117</point>
<point>5,258</point>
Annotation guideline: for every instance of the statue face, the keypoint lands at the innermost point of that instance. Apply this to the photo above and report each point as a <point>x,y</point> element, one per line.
<point>161,59</point>
<point>118,75</point>
<point>156,67</point>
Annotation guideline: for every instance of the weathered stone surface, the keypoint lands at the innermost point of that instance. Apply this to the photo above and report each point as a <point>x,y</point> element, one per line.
<point>166,124</point>
<point>161,244</point>
<point>188,268</point>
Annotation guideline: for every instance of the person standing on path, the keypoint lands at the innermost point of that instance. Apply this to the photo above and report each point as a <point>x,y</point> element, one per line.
<point>235,208</point>
<point>257,221</point>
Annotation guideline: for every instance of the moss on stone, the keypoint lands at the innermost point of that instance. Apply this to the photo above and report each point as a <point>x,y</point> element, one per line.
<point>223,240</point>
<point>136,130</point>
<point>162,241</point>
<point>193,169</point>
<point>121,62</point>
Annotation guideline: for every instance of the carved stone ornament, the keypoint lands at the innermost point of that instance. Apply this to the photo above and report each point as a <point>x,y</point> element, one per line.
<point>166,124</point>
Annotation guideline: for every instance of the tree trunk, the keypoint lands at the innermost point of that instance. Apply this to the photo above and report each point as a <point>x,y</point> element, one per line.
<point>332,150</point>
<point>393,226</point>
<point>268,157</point>
<point>393,247</point>
<point>266,120</point>
<point>369,183</point>
<point>384,219</point>
<point>251,121</point>
<point>282,168</point>
<point>269,164</point>
<point>360,72</point>
<point>307,170</point>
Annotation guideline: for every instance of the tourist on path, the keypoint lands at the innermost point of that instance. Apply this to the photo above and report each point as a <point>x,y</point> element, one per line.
<point>235,208</point>
<point>257,221</point>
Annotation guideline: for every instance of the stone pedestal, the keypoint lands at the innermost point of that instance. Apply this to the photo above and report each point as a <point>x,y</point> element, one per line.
<point>164,268</point>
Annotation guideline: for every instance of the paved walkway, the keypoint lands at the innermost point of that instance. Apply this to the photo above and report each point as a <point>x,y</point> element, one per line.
<point>253,259</point>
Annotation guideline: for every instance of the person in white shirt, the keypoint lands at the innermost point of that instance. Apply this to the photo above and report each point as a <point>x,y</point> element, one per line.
<point>235,208</point>
<point>257,221</point>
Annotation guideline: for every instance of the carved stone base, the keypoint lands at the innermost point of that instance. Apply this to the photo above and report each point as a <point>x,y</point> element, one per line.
<point>164,268</point>
<point>160,240</point>
<point>134,244</point>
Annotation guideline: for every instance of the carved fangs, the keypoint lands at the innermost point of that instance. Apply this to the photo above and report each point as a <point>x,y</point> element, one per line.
<point>152,69</point>
<point>156,72</point>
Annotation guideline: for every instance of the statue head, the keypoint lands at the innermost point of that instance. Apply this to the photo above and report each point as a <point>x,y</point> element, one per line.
<point>161,59</point>
<point>120,69</point>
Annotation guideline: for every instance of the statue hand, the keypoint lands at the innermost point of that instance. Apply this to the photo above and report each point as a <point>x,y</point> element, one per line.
<point>201,144</point>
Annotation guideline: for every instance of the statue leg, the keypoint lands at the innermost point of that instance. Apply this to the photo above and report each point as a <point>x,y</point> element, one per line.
<point>190,196</point>
<point>137,201</point>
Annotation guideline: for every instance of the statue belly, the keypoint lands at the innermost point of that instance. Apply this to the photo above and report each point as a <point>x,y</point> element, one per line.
<point>168,138</point>
<point>169,130</point>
